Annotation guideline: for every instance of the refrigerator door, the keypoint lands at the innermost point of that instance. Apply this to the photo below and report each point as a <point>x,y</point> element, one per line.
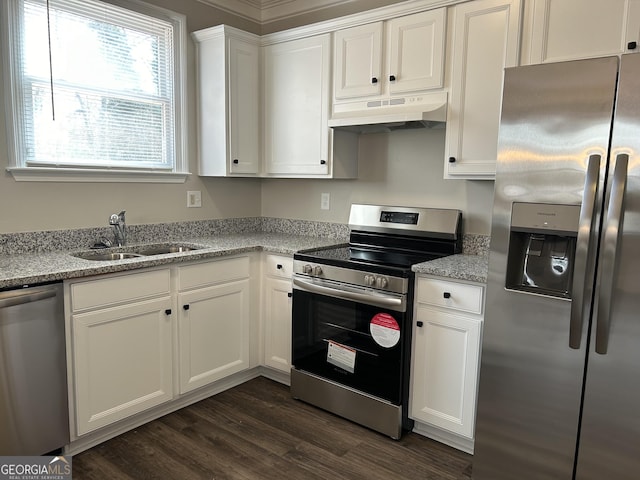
<point>555,127</point>
<point>610,424</point>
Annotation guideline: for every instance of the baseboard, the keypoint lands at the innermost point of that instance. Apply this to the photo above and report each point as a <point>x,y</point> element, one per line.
<point>442,436</point>
<point>92,439</point>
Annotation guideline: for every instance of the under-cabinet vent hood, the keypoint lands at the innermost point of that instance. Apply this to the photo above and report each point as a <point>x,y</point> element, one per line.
<point>396,113</point>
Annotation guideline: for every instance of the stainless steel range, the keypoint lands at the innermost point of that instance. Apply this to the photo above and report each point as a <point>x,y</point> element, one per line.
<point>352,313</point>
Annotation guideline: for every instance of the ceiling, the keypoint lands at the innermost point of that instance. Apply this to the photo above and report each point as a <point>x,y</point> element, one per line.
<point>265,11</point>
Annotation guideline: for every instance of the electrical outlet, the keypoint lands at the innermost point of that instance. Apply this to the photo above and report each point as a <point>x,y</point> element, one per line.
<point>324,201</point>
<point>194,198</point>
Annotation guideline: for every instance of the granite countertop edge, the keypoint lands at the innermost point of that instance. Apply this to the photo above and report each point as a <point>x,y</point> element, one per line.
<point>472,268</point>
<point>35,268</point>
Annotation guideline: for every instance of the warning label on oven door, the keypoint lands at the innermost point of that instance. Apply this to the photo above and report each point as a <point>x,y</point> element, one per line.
<point>341,356</point>
<point>385,330</point>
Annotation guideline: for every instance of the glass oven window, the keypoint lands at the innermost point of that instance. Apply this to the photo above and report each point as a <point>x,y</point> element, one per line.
<point>332,338</point>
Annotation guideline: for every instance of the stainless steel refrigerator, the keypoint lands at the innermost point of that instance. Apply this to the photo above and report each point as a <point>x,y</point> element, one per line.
<point>559,394</point>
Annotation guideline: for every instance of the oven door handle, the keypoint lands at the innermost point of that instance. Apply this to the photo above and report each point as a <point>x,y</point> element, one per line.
<point>378,300</point>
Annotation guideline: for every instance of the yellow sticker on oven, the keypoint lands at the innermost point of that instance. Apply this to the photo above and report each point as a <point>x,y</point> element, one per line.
<point>341,356</point>
<point>385,330</point>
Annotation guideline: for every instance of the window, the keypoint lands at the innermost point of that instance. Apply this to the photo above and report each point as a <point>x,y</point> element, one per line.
<point>96,91</point>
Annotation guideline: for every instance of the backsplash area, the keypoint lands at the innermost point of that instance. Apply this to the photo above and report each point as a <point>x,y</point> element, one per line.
<point>64,240</point>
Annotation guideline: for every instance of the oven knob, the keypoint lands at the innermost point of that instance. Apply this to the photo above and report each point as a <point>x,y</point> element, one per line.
<point>369,280</point>
<point>381,282</point>
<point>317,270</point>
<point>307,269</point>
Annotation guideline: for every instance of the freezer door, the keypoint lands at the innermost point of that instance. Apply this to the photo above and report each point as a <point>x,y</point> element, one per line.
<point>610,438</point>
<point>555,127</point>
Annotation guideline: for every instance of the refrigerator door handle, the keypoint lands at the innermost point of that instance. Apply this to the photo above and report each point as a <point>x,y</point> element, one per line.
<point>612,230</point>
<point>582,249</point>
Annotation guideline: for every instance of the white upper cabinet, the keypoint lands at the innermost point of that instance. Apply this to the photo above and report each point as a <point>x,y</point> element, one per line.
<point>358,61</point>
<point>296,107</point>
<point>557,30</point>
<point>415,46</point>
<point>401,55</point>
<point>228,102</point>
<point>296,93</point>
<point>485,40</point>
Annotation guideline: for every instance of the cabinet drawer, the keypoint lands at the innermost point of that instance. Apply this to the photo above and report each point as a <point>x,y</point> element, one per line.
<point>119,289</point>
<point>279,266</point>
<point>458,296</point>
<point>217,271</point>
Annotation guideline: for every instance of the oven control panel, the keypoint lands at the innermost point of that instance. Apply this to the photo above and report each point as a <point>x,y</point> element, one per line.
<point>358,278</point>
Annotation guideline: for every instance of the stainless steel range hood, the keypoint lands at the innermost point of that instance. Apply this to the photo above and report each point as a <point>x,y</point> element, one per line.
<point>421,111</point>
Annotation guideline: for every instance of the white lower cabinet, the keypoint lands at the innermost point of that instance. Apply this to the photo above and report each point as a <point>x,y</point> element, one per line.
<point>446,357</point>
<point>122,347</point>
<point>213,321</point>
<point>122,342</point>
<point>277,294</point>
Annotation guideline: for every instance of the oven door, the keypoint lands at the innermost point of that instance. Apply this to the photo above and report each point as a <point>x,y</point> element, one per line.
<point>353,336</point>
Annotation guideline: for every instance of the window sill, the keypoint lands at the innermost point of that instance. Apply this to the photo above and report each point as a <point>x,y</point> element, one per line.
<point>43,174</point>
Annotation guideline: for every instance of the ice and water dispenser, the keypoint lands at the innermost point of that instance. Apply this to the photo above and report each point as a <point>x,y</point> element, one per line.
<point>542,247</point>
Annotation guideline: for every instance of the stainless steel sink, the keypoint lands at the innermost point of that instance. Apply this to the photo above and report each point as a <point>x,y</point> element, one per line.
<point>136,252</point>
<point>162,249</point>
<point>107,256</point>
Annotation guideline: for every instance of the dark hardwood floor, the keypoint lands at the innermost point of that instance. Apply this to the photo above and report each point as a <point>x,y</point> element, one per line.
<point>257,431</point>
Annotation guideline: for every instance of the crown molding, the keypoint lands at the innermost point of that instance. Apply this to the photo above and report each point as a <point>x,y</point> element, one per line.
<point>266,11</point>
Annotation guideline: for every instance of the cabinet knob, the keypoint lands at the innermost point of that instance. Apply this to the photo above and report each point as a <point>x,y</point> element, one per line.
<point>419,323</point>
<point>446,295</point>
<point>279,266</point>
<point>452,159</point>
<point>392,78</point>
<point>374,80</point>
<point>632,45</point>
<point>289,294</point>
<point>167,311</point>
<point>185,307</point>
<point>236,161</point>
<point>323,162</point>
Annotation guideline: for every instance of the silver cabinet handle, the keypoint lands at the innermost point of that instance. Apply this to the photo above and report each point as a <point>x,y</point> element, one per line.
<point>612,230</point>
<point>582,250</point>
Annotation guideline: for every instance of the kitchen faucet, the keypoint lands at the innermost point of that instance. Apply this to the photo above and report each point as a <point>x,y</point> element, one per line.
<point>117,221</point>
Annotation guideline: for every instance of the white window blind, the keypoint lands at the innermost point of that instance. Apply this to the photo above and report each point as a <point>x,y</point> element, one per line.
<point>115,101</point>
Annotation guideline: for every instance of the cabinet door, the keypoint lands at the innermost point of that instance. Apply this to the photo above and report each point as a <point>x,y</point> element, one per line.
<point>416,51</point>
<point>213,332</point>
<point>445,370</point>
<point>296,96</point>
<point>244,115</point>
<point>122,361</point>
<point>558,30</point>
<point>485,40</point>
<point>277,324</point>
<point>358,61</point>
<point>228,69</point>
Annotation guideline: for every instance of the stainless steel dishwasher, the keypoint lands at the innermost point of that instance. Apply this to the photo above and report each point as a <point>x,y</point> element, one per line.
<point>33,382</point>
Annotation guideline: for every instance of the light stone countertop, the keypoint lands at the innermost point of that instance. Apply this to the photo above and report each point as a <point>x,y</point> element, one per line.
<point>472,268</point>
<point>32,268</point>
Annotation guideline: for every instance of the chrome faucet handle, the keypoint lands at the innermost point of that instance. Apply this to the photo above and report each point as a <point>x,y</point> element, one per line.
<point>113,219</point>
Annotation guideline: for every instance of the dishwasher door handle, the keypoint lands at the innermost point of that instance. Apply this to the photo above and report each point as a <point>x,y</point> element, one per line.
<point>19,297</point>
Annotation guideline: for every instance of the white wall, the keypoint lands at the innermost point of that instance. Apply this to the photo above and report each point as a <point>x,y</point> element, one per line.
<point>403,168</point>
<point>399,168</point>
<point>33,206</point>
